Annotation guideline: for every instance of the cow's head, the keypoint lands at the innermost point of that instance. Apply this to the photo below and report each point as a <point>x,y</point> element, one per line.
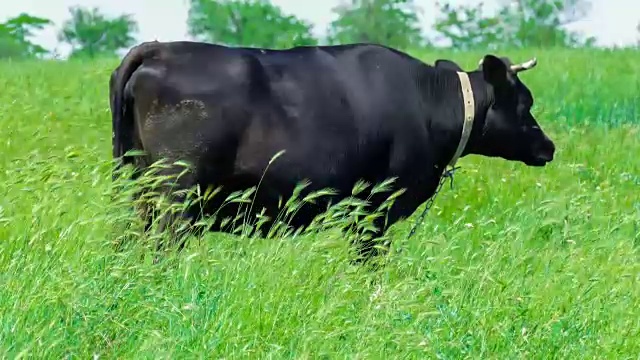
<point>509,130</point>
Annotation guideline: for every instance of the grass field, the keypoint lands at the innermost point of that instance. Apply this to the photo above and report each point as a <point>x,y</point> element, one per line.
<point>514,262</point>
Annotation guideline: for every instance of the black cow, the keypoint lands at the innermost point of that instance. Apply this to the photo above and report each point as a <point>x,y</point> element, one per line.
<point>340,113</point>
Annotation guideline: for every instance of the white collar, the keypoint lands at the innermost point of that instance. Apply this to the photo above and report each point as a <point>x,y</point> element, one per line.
<point>469,113</point>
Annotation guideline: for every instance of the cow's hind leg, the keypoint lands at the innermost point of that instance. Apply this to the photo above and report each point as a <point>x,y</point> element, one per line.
<point>134,197</point>
<point>174,221</point>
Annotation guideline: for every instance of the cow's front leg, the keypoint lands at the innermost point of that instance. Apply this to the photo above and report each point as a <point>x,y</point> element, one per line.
<point>370,245</point>
<point>378,242</point>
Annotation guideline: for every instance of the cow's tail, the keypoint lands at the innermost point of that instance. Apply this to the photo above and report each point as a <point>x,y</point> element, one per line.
<point>121,106</point>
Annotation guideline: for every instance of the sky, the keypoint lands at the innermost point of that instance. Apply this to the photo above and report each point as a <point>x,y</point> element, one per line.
<point>612,22</point>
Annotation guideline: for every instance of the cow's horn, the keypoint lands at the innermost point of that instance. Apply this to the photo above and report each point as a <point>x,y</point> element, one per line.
<point>519,67</point>
<point>525,66</point>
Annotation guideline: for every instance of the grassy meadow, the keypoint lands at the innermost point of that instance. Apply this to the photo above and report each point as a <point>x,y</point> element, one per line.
<point>513,262</point>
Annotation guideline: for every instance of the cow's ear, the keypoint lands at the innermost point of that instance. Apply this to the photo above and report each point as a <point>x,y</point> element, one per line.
<point>507,61</point>
<point>495,71</point>
<point>447,64</point>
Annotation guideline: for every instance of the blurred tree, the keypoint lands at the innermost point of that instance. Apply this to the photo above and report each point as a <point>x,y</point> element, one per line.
<point>15,34</point>
<point>467,28</point>
<point>518,23</point>
<point>388,22</point>
<point>91,33</point>
<point>256,23</point>
<point>541,23</point>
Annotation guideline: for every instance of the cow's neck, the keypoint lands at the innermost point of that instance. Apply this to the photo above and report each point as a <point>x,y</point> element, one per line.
<point>445,102</point>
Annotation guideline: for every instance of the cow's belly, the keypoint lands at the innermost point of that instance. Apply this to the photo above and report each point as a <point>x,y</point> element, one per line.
<point>337,165</point>
<point>325,158</point>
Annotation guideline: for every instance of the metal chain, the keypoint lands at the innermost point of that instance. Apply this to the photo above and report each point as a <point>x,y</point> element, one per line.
<point>448,174</point>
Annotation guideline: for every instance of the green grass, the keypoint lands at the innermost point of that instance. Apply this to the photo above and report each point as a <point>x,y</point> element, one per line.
<point>514,262</point>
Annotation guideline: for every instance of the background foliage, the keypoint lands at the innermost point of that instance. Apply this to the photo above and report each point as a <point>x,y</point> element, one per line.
<point>247,23</point>
<point>91,33</point>
<point>15,34</point>
<point>396,23</point>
